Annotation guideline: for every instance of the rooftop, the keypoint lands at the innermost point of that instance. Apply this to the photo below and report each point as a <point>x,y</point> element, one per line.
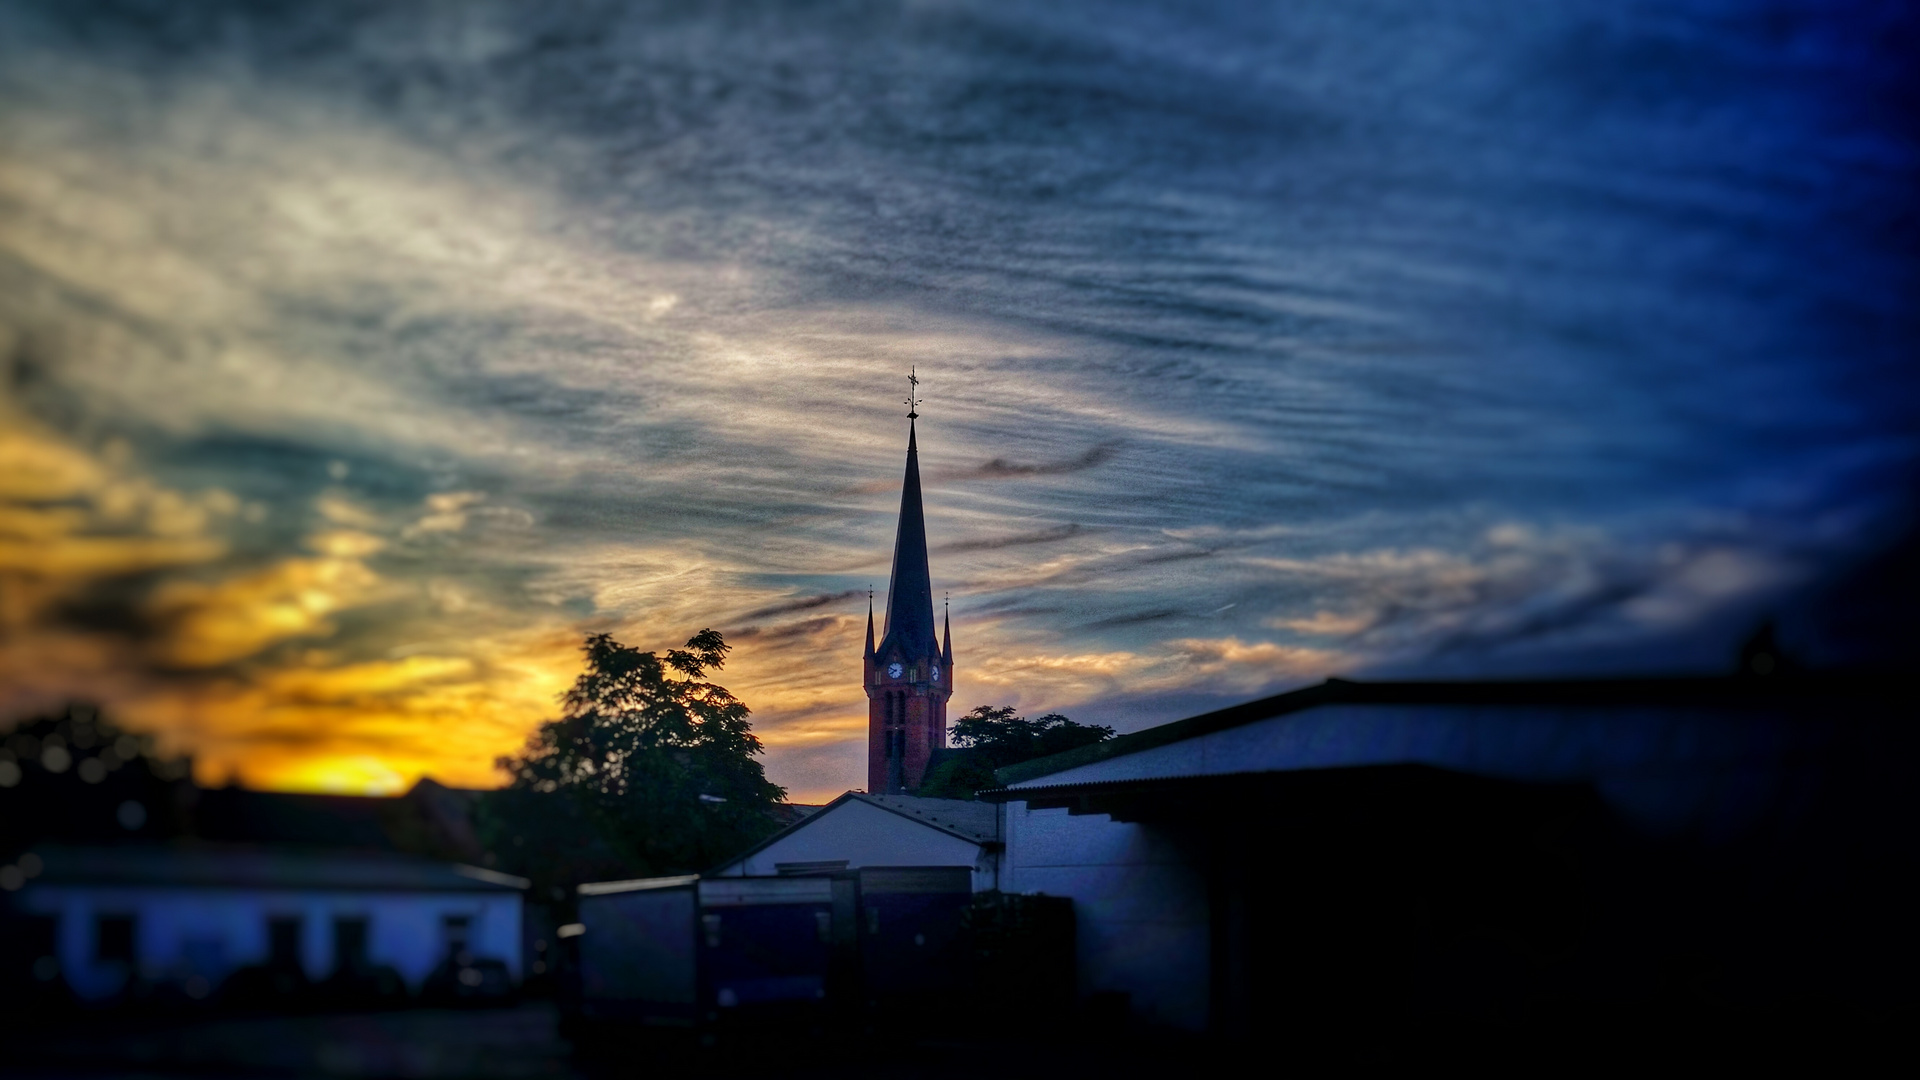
<point>1743,692</point>
<point>974,821</point>
<point>246,867</point>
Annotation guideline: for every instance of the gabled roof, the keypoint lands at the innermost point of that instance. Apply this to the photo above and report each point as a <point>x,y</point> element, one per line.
<point>1711,692</point>
<point>974,822</point>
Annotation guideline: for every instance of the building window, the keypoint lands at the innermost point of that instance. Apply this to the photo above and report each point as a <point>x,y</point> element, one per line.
<point>456,931</point>
<point>350,945</point>
<point>113,939</point>
<point>283,942</point>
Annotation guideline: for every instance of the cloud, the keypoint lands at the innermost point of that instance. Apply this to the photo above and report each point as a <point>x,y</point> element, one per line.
<point>446,513</point>
<point>1254,665</point>
<point>1325,624</point>
<point>209,624</point>
<point>359,682</point>
<point>807,628</point>
<point>1002,469</point>
<point>995,543</point>
<point>345,543</point>
<point>1519,587</point>
<point>807,603</point>
<point>1135,618</point>
<point>72,517</point>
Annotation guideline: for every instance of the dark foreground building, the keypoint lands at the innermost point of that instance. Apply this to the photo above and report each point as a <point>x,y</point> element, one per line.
<point>1390,864</point>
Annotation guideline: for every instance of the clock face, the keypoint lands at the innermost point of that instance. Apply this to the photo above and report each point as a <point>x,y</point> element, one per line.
<point>894,670</point>
<point>936,673</point>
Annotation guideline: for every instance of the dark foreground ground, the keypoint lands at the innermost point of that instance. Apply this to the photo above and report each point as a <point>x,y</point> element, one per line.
<point>526,1040</point>
<point>529,1040</point>
<point>506,1043</point>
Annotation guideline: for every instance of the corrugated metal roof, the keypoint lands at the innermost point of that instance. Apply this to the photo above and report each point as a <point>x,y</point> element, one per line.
<point>975,821</point>
<point>237,867</point>
<point>1709,691</point>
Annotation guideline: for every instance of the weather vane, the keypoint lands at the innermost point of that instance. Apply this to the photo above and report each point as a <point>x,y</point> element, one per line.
<point>913,394</point>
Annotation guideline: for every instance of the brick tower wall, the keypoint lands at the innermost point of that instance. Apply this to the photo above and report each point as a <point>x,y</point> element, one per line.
<point>920,709</point>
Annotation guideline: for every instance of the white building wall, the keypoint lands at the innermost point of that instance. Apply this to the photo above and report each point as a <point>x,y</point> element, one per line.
<point>866,835</point>
<point>209,932</point>
<point>1139,904</point>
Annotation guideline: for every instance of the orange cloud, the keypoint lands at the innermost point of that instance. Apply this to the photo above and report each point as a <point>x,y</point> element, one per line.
<point>233,619</point>
<point>68,513</point>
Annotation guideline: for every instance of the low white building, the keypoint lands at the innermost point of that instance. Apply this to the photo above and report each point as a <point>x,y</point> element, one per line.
<point>858,830</point>
<point>191,916</point>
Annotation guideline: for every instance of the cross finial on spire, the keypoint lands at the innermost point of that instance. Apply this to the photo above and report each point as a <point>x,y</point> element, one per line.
<point>913,394</point>
<point>946,633</point>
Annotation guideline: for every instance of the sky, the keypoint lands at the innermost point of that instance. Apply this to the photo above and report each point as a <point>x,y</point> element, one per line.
<point>356,360</point>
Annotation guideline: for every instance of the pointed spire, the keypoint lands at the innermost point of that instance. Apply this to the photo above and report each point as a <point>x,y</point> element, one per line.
<point>909,623</point>
<point>946,633</point>
<point>869,622</point>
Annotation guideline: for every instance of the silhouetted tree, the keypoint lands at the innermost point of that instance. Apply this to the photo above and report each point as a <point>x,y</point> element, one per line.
<point>994,737</point>
<point>649,770</point>
<point>76,777</point>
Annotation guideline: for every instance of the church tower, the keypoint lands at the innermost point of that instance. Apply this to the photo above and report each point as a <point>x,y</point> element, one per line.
<point>909,672</point>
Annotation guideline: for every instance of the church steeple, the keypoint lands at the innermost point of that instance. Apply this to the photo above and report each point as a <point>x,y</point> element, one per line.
<point>946,633</point>
<point>911,589</point>
<point>909,625</point>
<point>908,673</point>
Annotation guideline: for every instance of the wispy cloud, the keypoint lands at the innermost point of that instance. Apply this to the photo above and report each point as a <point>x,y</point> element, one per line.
<point>806,603</point>
<point>995,543</point>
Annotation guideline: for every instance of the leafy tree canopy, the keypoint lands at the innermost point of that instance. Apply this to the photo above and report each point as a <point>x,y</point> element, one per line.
<point>650,769</point>
<point>74,776</point>
<point>994,737</point>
